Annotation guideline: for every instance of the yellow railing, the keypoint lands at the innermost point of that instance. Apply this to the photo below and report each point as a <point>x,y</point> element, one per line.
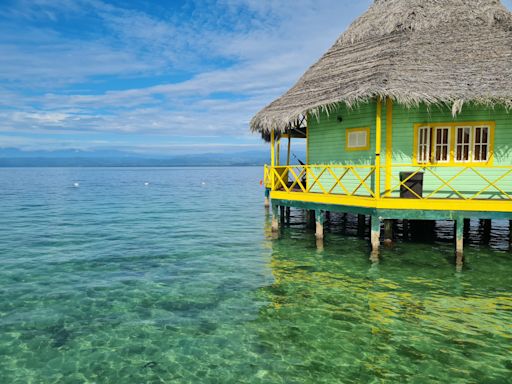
<point>456,182</point>
<point>439,182</point>
<point>349,180</point>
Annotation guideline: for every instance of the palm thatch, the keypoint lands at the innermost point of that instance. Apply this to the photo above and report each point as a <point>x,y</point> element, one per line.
<point>446,52</point>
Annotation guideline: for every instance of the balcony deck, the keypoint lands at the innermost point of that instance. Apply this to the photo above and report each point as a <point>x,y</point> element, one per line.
<point>448,192</point>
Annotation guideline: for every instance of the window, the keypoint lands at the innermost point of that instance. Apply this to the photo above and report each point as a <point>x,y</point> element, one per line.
<point>442,144</point>
<point>358,139</point>
<point>463,144</point>
<point>453,143</point>
<point>481,151</point>
<point>423,145</point>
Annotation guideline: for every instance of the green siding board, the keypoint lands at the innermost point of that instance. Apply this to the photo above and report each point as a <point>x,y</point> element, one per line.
<point>327,146</point>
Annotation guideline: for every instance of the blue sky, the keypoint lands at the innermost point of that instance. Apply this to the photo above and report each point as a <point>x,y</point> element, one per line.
<point>170,77</point>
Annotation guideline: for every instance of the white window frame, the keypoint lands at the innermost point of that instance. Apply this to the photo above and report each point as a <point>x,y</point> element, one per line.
<point>424,148</point>
<point>487,143</point>
<point>447,144</point>
<point>462,145</point>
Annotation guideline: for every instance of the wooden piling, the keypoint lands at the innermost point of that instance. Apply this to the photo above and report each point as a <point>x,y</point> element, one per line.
<point>282,215</point>
<point>375,236</point>
<point>510,234</point>
<point>310,218</point>
<point>361,225</point>
<point>486,226</point>
<point>459,238</point>
<point>267,198</point>
<point>320,220</point>
<point>288,214</point>
<point>388,232</point>
<point>275,218</point>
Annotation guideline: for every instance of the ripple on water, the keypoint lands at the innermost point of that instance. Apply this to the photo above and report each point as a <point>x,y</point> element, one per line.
<point>118,282</point>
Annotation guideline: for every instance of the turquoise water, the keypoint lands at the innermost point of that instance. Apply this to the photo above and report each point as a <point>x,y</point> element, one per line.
<point>181,280</point>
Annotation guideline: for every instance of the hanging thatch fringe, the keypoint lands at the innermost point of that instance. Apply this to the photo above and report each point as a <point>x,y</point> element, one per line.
<point>447,52</point>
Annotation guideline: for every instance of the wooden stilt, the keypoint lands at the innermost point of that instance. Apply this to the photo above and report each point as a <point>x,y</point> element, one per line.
<point>459,240</point>
<point>467,226</point>
<point>388,232</point>
<point>361,225</point>
<point>310,218</point>
<point>486,230</point>
<point>275,219</point>
<point>510,234</point>
<point>267,198</point>
<point>320,220</point>
<point>281,214</point>
<point>288,214</point>
<point>375,236</point>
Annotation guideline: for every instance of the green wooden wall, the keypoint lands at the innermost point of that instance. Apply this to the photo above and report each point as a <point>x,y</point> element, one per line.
<point>326,145</point>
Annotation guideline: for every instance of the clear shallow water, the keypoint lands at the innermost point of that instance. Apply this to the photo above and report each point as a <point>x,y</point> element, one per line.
<point>181,281</point>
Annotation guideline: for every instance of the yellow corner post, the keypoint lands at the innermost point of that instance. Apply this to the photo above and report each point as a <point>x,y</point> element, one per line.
<point>389,145</point>
<point>378,141</point>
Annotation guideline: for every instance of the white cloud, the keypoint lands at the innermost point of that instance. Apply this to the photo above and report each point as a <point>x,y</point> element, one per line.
<point>234,70</point>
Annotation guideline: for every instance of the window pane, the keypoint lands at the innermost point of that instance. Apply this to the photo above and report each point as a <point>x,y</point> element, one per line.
<point>485,134</point>
<point>484,153</point>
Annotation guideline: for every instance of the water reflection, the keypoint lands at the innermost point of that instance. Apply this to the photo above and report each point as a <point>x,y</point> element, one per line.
<point>334,317</point>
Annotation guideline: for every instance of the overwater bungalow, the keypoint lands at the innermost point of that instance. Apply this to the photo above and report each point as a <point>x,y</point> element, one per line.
<point>406,117</point>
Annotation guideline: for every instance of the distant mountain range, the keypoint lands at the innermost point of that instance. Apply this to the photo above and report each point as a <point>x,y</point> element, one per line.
<point>13,157</point>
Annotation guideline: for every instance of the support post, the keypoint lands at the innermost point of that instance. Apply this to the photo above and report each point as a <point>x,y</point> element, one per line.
<point>378,144</point>
<point>275,218</point>
<point>281,214</point>
<point>310,218</point>
<point>272,150</point>
<point>510,234</point>
<point>389,146</point>
<point>388,232</point>
<point>320,220</point>
<point>361,225</point>
<point>459,238</point>
<point>486,232</point>
<point>288,214</point>
<point>278,158</point>
<point>289,148</point>
<point>375,236</point>
<point>267,198</point>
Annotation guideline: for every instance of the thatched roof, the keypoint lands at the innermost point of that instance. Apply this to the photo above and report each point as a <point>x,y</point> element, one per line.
<point>414,51</point>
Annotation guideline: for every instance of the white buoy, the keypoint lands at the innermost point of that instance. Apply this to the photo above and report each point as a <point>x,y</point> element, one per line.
<point>146,184</point>
<point>203,183</point>
<point>76,185</point>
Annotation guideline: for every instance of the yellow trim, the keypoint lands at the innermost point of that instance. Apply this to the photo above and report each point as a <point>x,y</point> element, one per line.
<point>397,203</point>
<point>353,130</point>
<point>278,157</point>
<point>378,145</point>
<point>289,150</point>
<point>453,132</point>
<point>307,138</point>
<point>389,145</point>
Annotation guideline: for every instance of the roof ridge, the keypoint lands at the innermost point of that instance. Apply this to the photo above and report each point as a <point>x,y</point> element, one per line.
<point>385,17</point>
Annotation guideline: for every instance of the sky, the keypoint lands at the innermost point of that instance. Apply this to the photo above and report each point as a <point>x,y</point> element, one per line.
<point>166,77</point>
